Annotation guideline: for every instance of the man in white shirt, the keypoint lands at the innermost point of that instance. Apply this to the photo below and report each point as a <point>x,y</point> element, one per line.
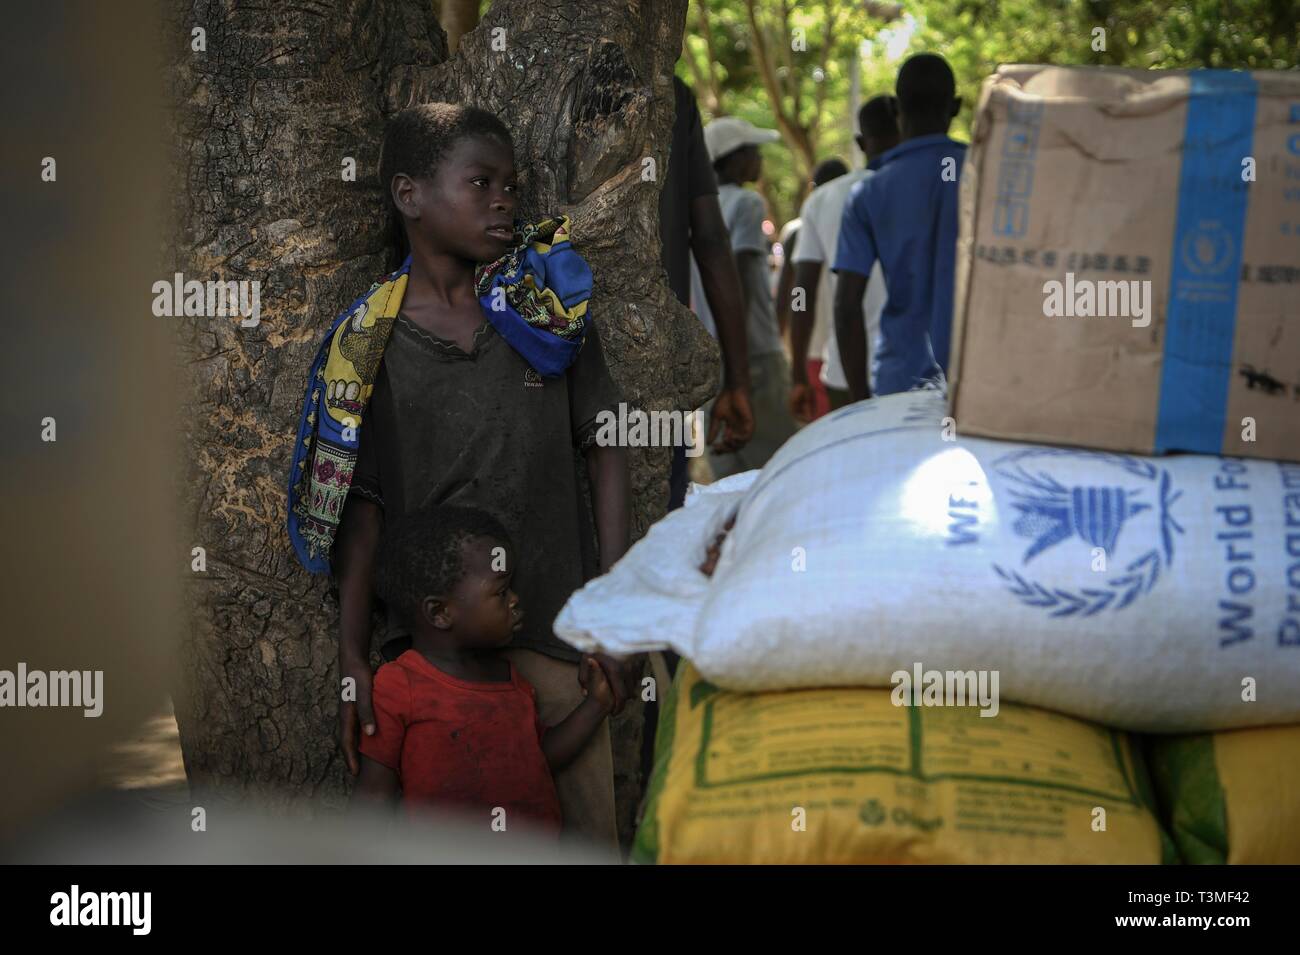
<point>824,172</point>
<point>821,215</point>
<point>785,274</point>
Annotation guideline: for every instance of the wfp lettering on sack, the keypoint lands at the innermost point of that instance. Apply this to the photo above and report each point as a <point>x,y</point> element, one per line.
<point>1231,797</point>
<point>1158,594</point>
<point>845,776</point>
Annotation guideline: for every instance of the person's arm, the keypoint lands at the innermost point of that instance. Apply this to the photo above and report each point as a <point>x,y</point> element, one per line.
<point>784,286</point>
<point>807,276</point>
<point>808,258</point>
<point>610,495</point>
<point>748,265</point>
<point>607,469</point>
<point>723,289</point>
<point>940,339</point>
<point>711,246</point>
<point>355,548</point>
<point>592,392</point>
<point>714,551</point>
<point>380,783</point>
<point>854,259</point>
<point>745,227</point>
<point>563,741</point>
<point>850,333</point>
<point>377,786</point>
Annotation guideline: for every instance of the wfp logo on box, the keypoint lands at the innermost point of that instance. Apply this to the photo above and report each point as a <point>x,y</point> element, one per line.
<point>1108,520</point>
<point>1207,249</point>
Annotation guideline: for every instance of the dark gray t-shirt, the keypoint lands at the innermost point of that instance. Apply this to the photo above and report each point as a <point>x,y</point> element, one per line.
<point>743,210</point>
<point>690,175</point>
<point>484,430</point>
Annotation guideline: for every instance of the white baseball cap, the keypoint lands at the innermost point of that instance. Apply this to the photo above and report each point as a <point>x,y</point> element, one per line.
<point>726,134</point>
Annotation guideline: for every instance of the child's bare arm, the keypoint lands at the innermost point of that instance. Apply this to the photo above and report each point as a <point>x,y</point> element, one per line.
<point>377,786</point>
<point>354,559</point>
<point>714,550</point>
<point>607,468</point>
<point>563,741</point>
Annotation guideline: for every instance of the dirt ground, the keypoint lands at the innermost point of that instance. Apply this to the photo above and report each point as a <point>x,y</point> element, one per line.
<point>146,773</point>
<point>151,759</point>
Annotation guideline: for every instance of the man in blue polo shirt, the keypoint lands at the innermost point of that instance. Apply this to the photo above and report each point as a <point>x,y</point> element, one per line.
<point>905,216</point>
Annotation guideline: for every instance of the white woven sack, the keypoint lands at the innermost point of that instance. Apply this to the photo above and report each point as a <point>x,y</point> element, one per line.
<point>1157,594</point>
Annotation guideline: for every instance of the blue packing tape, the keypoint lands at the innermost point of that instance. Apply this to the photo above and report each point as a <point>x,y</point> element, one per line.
<point>1201,317</point>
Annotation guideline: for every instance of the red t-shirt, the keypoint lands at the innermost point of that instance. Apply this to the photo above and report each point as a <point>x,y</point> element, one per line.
<point>469,747</point>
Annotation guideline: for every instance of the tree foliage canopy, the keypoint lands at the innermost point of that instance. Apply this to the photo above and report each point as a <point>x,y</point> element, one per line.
<point>737,52</point>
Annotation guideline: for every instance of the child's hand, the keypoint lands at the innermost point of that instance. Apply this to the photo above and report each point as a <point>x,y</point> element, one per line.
<point>714,550</point>
<point>597,687</point>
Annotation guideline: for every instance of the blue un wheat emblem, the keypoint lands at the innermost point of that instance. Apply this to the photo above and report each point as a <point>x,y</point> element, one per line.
<point>1050,513</point>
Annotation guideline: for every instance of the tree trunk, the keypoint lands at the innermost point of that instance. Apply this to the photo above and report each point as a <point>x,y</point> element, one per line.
<point>458,18</point>
<point>265,120</point>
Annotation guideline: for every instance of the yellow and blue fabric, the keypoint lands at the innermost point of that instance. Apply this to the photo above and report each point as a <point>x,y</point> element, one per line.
<point>540,310</point>
<point>536,296</point>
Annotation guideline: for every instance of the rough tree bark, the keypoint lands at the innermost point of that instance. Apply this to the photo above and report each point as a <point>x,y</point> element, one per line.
<point>264,119</point>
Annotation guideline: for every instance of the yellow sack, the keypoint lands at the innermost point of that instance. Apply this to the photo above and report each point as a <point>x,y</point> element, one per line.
<point>1231,797</point>
<point>844,776</point>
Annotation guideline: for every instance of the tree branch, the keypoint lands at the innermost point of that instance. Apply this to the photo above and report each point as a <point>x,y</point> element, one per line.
<point>792,79</point>
<point>706,31</point>
<point>795,136</point>
<point>765,71</point>
<point>693,67</point>
<point>884,12</point>
<point>828,38</point>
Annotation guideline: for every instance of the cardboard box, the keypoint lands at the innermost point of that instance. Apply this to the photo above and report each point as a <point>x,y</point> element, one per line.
<point>1174,320</point>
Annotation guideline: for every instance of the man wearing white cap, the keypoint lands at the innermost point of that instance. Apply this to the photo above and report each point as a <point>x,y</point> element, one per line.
<point>732,144</point>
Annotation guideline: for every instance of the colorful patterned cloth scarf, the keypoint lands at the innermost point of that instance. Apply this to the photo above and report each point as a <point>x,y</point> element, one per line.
<point>535,296</point>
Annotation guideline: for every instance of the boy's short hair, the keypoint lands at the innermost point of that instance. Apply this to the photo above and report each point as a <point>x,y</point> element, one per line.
<point>878,117</point>
<point>417,138</point>
<point>423,554</point>
<point>829,169</point>
<point>415,142</point>
<point>926,86</point>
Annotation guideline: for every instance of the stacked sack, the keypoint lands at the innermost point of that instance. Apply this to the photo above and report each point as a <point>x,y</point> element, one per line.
<point>878,542</point>
<point>884,570</point>
<point>1231,797</point>
<point>845,776</point>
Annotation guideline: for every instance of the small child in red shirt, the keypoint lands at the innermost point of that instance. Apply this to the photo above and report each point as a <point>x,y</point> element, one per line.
<point>457,726</point>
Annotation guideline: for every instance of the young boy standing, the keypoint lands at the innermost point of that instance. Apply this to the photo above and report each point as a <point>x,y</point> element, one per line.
<point>905,217</point>
<point>442,570</point>
<point>733,148</point>
<point>459,382</point>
